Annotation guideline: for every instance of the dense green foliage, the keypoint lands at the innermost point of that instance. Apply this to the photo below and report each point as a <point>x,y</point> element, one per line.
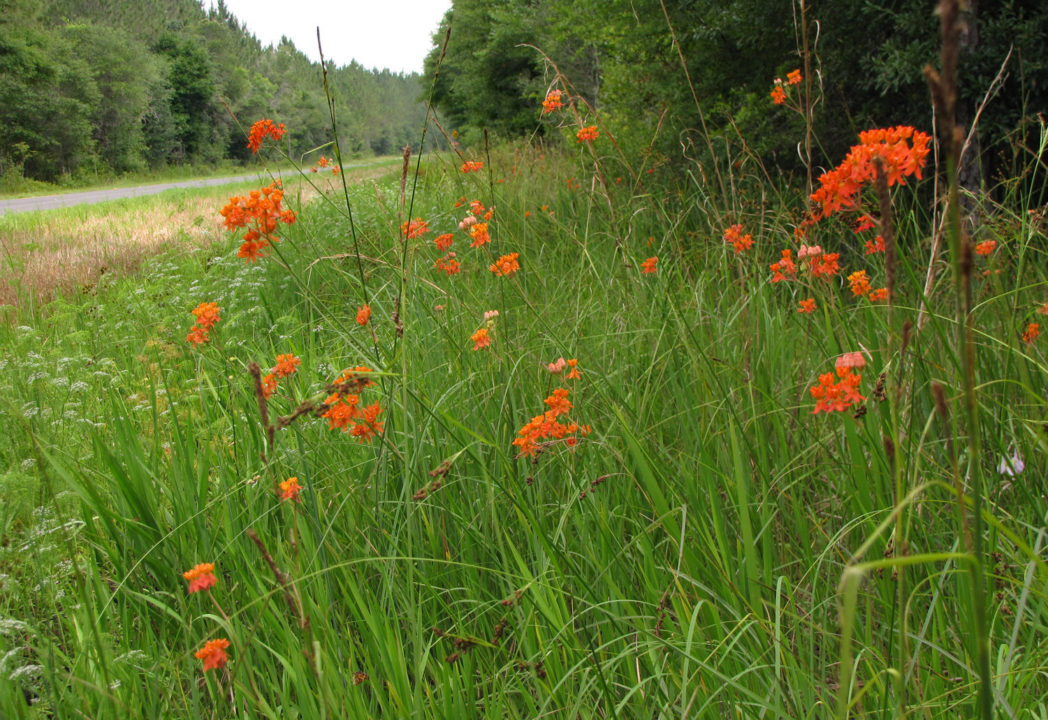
<point>866,65</point>
<point>129,85</point>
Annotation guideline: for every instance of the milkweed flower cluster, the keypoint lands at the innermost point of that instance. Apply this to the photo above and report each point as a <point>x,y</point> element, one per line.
<point>363,315</point>
<point>443,242</point>
<point>1031,332</point>
<point>342,408</point>
<point>289,489</point>
<point>206,314</point>
<point>837,395</point>
<point>213,654</point>
<point>875,246</point>
<point>648,266</point>
<point>414,228</point>
<point>546,428</point>
<point>261,130</point>
<point>587,134</point>
<point>260,212</point>
<point>553,101</point>
<point>785,269</point>
<point>778,93</point>
<point>806,307</point>
<point>200,577</point>
<point>479,232</point>
<point>986,247</point>
<point>738,241</point>
<point>481,339</point>
<point>506,265</point>
<point>472,166</point>
<point>903,152</point>
<point>287,364</point>
<point>448,264</point>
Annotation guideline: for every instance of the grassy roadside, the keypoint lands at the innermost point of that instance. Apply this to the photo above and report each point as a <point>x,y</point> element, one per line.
<point>72,250</point>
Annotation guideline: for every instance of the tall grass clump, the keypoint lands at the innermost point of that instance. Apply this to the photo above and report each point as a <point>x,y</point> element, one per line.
<point>528,431</point>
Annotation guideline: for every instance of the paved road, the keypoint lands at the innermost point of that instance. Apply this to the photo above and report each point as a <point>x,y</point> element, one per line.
<point>50,202</point>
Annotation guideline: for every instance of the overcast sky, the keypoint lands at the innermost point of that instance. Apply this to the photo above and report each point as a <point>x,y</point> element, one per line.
<point>394,34</point>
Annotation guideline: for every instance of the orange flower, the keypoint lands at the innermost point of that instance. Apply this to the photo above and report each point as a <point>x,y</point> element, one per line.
<point>552,102</point>
<point>837,396</point>
<point>506,265</point>
<point>259,211</point>
<point>369,425</point>
<point>648,266</point>
<point>198,336</point>
<point>322,162</point>
<point>1043,310</point>
<point>343,411</point>
<point>778,95</point>
<point>859,282</point>
<point>448,264</point>
<point>878,294</point>
<point>875,246</point>
<point>200,577</point>
<point>587,134</point>
<point>985,247</point>
<point>480,235</point>
<point>573,374</point>
<point>546,426</point>
<point>794,77</point>
<point>471,166</point>
<point>363,314</point>
<point>739,242</point>
<point>206,314</point>
<point>1031,333</point>
<point>443,242</point>
<point>414,228</point>
<point>785,268</point>
<point>260,130</point>
<point>269,385</point>
<point>287,364</point>
<point>289,489</point>
<point>481,339</point>
<point>213,654</point>
<point>839,188</point>
<point>806,306</point>
<point>825,266</point>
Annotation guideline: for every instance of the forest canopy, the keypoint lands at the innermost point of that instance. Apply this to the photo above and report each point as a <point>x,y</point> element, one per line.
<point>118,86</point>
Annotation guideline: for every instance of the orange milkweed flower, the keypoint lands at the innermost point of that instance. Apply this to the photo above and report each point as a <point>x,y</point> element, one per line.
<point>587,134</point>
<point>878,294</point>
<point>902,150</point>
<point>1031,332</point>
<point>206,314</point>
<point>260,130</point>
<point>269,385</point>
<point>863,223</point>
<point>369,425</point>
<point>479,233</point>
<point>778,95</point>
<point>985,247</point>
<point>648,266</point>
<point>837,396</point>
<point>506,265</point>
<point>259,211</point>
<point>546,426</point>
<point>859,282</point>
<point>213,654</point>
<point>322,162</point>
<point>286,365</point>
<point>552,102</point>
<point>1043,310</point>
<point>363,315</point>
<point>481,339</point>
<point>825,266</point>
<point>875,246</point>
<point>472,166</point>
<point>793,77</point>
<point>289,489</point>
<point>198,335</point>
<point>785,269</point>
<point>739,242</point>
<point>573,374</point>
<point>443,242</point>
<point>806,307</point>
<point>200,577</point>
<point>414,228</point>
<point>448,264</point>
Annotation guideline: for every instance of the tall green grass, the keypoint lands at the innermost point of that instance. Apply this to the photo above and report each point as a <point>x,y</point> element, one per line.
<point>712,549</point>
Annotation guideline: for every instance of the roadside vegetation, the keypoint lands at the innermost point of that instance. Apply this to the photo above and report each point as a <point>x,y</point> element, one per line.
<point>551,427</point>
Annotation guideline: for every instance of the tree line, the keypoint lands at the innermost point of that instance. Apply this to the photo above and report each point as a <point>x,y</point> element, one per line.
<point>648,66</point>
<point>118,86</point>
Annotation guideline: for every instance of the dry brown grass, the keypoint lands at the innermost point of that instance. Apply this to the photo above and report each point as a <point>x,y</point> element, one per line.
<point>70,251</point>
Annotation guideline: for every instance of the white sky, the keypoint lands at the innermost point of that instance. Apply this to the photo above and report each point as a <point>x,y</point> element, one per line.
<point>394,34</point>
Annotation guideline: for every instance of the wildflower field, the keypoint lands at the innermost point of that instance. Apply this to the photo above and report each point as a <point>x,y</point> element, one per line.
<point>533,430</point>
